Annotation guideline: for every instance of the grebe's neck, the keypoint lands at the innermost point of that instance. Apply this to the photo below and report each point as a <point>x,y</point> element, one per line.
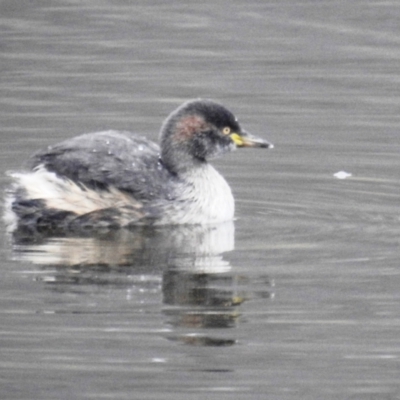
<point>205,197</point>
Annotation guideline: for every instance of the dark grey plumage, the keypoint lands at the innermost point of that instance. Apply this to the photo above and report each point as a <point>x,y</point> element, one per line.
<point>121,159</point>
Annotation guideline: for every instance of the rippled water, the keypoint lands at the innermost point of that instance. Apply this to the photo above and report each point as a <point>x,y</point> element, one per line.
<point>299,297</point>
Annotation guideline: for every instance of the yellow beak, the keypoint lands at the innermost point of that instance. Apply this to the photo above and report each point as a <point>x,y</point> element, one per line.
<point>245,139</point>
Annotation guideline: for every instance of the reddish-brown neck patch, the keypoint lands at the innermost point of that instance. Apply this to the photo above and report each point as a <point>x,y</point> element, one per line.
<point>188,126</point>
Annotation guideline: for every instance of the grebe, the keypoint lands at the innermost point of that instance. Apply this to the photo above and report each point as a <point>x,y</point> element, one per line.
<point>117,178</point>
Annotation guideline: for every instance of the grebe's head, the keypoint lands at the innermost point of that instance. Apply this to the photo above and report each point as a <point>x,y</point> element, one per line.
<point>200,130</point>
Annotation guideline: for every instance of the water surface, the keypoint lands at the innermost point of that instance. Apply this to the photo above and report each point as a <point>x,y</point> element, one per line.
<point>298,298</point>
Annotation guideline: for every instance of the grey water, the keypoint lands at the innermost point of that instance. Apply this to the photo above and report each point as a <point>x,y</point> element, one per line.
<point>299,297</point>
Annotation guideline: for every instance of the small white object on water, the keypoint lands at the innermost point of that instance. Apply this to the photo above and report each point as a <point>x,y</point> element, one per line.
<point>342,175</point>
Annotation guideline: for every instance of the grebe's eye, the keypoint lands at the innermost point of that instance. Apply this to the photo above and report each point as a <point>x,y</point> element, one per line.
<point>226,130</point>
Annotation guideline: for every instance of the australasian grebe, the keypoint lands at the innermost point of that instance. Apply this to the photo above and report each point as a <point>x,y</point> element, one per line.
<point>117,178</point>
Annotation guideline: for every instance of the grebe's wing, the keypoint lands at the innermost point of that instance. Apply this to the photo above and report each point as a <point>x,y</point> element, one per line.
<point>120,159</point>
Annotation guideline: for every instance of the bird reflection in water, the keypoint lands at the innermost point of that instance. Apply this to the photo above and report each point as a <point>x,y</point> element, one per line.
<point>200,292</point>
